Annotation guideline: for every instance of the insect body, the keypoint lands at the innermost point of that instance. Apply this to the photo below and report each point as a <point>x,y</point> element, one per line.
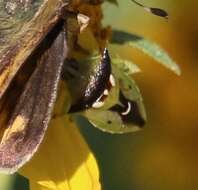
<point>31,31</point>
<point>98,84</point>
<point>34,44</point>
<point>31,116</point>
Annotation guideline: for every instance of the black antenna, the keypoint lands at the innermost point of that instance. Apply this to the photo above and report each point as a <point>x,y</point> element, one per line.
<point>155,11</point>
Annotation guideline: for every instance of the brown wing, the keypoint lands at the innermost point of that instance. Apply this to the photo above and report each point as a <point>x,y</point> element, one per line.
<point>23,24</point>
<point>32,113</point>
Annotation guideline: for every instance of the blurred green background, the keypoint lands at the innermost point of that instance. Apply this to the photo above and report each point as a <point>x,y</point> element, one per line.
<point>164,155</point>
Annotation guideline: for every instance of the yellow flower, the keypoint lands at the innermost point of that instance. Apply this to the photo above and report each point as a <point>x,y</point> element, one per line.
<point>63,161</point>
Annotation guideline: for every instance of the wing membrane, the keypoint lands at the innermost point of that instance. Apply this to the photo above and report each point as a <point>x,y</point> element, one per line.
<point>32,113</point>
<point>21,32</point>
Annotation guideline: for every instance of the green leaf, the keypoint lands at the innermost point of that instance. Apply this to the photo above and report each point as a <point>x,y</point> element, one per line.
<point>130,90</point>
<point>127,85</point>
<point>109,121</point>
<point>126,66</point>
<point>148,47</point>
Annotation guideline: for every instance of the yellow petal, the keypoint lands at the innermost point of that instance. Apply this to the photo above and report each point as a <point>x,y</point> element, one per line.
<point>63,161</point>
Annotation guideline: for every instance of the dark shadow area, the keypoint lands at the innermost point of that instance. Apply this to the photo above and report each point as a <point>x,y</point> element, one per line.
<point>122,37</point>
<point>20,183</point>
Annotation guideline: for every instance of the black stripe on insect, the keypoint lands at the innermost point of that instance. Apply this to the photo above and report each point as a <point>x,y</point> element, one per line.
<point>128,111</point>
<point>99,84</point>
